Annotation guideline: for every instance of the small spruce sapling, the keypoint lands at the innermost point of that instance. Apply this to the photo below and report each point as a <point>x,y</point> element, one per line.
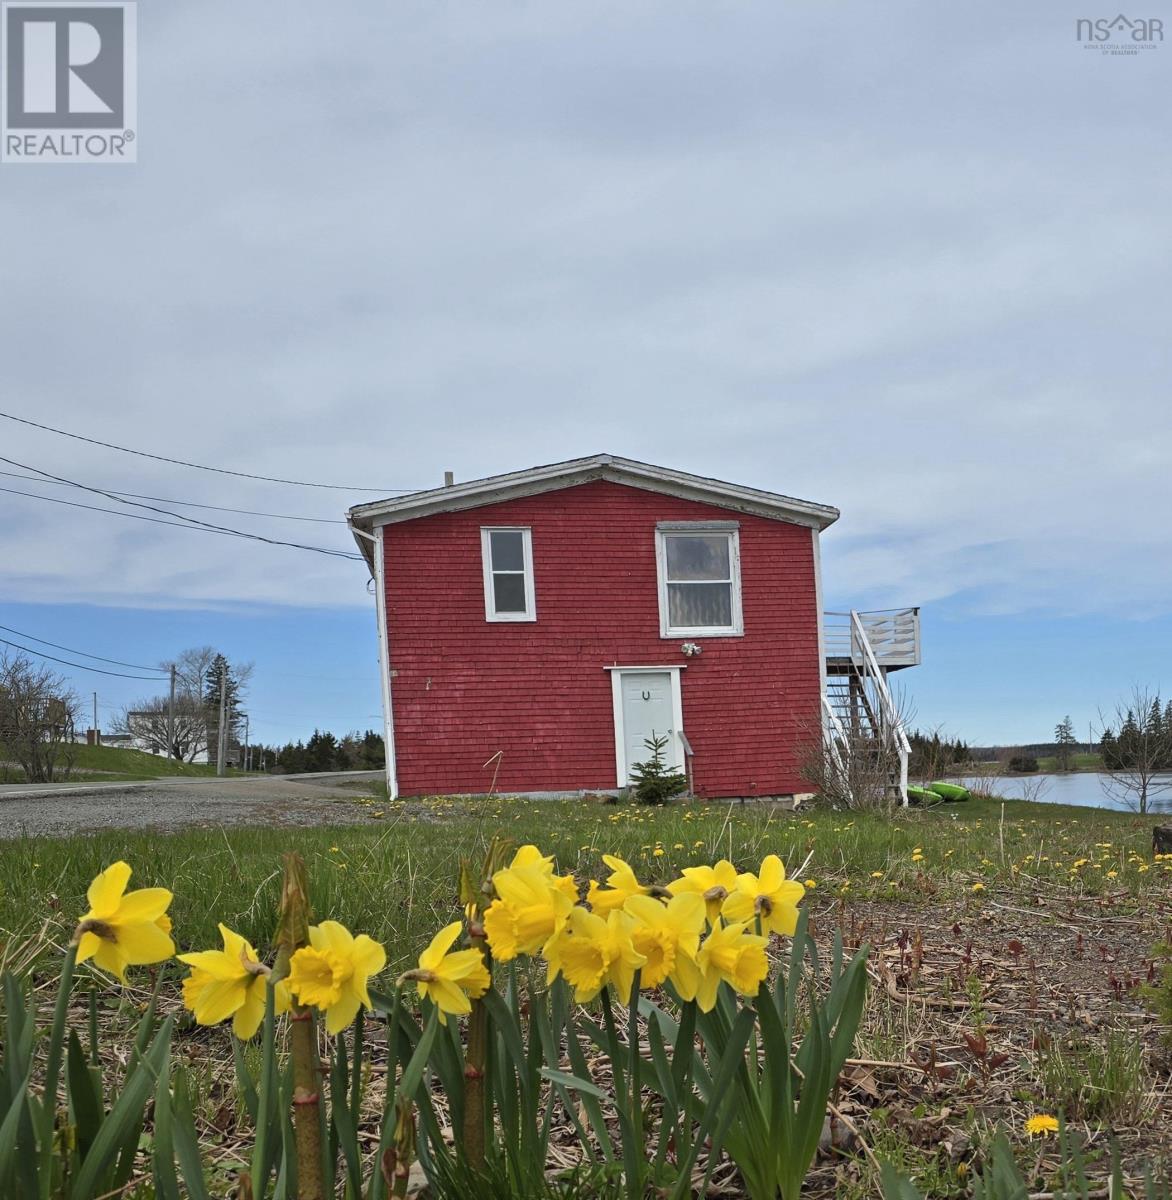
<point>654,782</point>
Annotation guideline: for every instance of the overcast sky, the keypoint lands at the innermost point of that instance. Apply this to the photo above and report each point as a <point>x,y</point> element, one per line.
<point>910,260</point>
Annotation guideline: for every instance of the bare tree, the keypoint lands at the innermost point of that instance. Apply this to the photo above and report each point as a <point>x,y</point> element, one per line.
<point>1136,743</point>
<point>149,721</point>
<point>38,717</point>
<point>195,721</point>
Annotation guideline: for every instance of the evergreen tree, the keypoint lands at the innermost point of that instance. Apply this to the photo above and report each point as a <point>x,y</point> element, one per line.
<point>221,669</point>
<point>1065,742</point>
<point>321,752</point>
<point>654,781</point>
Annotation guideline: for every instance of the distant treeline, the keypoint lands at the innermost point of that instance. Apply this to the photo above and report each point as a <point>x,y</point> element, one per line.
<point>1032,749</point>
<point>325,752</point>
<point>1144,738</point>
<point>933,755</point>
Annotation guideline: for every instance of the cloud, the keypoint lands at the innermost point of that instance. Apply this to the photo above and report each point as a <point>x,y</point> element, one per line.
<point>909,262</point>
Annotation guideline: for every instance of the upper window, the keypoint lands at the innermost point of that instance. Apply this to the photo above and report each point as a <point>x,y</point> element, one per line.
<point>699,578</point>
<point>508,574</point>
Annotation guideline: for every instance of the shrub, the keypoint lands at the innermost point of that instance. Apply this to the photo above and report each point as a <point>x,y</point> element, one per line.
<point>1023,763</point>
<point>654,782</point>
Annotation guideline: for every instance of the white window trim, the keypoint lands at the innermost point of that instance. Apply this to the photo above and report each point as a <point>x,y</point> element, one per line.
<point>490,613</point>
<point>732,530</point>
<point>620,733</point>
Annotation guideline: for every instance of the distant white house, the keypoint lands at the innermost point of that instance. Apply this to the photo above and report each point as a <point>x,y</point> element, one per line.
<point>143,733</point>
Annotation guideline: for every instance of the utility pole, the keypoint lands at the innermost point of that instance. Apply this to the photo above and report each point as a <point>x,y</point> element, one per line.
<point>220,739</point>
<point>171,717</point>
<point>97,739</point>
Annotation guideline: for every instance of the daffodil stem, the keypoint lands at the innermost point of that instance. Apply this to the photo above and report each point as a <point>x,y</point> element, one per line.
<point>307,1125</point>
<point>476,1063</point>
<point>635,1186</point>
<point>306,1104</point>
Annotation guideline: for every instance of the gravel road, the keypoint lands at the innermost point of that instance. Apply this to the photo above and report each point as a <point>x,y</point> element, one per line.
<point>171,804</point>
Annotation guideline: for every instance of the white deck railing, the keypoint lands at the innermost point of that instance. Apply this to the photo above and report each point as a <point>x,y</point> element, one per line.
<point>850,644</point>
<point>893,633</point>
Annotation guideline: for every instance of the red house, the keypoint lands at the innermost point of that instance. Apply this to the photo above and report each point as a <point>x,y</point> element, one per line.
<point>536,628</point>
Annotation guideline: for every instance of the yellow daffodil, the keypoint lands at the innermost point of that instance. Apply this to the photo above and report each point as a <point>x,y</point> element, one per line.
<point>124,929</point>
<point>530,856</point>
<point>769,896</point>
<point>621,882</point>
<point>663,933</point>
<point>331,973</point>
<point>729,953</point>
<point>230,983</point>
<point>451,980</point>
<point>715,884</point>
<point>529,909</point>
<point>592,952</point>
<point>1041,1125</point>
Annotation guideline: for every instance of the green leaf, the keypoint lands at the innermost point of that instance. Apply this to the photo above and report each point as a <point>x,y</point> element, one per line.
<point>125,1118</point>
<point>186,1138</point>
<point>166,1180</point>
<point>573,1082</point>
<point>85,1100</point>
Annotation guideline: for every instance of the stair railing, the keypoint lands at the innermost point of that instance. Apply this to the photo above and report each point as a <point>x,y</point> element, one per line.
<point>891,725</point>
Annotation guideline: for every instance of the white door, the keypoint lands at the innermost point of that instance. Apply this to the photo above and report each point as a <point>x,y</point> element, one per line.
<point>649,702</point>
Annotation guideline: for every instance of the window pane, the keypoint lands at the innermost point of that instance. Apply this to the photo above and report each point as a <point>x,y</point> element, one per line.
<point>697,556</point>
<point>508,552</point>
<point>699,605</point>
<point>509,592</point>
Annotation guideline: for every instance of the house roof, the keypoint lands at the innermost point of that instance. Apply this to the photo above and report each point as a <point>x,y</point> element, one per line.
<point>365,518</point>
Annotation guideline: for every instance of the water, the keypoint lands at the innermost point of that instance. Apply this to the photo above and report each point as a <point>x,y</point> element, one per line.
<point>1086,789</point>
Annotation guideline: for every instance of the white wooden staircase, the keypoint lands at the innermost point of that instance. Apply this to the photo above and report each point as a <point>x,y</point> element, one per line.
<point>861,716</point>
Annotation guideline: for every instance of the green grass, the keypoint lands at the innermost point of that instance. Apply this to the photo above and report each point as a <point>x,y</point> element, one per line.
<point>395,876</point>
<point>1078,762</point>
<point>115,763</point>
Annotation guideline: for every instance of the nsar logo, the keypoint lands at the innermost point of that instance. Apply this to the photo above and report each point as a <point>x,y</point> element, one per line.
<point>1119,35</point>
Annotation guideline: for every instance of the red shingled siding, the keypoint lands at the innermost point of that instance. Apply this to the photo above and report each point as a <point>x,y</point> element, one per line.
<point>464,688</point>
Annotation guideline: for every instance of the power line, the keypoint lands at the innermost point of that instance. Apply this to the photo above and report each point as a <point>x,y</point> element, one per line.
<point>117,662</point>
<point>113,512</point>
<point>247,512</point>
<point>179,462</point>
<point>191,522</point>
<point>77,666</point>
<point>181,524</point>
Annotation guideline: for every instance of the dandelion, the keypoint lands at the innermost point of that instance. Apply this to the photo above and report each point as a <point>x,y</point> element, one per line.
<point>230,983</point>
<point>1041,1125</point>
<point>769,896</point>
<point>450,980</point>
<point>124,929</point>
<point>331,973</point>
<point>876,874</point>
<point>978,886</point>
